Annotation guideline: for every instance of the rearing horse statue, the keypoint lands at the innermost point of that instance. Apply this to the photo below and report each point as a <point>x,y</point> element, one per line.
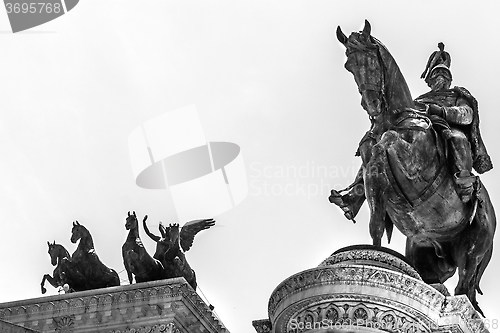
<point>64,273</point>
<point>406,179</point>
<point>136,259</point>
<point>96,274</point>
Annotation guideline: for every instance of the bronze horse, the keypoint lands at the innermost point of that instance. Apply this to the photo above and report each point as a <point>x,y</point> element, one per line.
<point>174,242</point>
<point>85,260</point>
<point>62,274</point>
<point>406,180</point>
<point>137,261</point>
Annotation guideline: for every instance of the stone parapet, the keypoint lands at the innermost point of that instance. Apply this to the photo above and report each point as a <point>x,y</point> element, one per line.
<point>365,289</point>
<point>6,327</point>
<point>159,306</point>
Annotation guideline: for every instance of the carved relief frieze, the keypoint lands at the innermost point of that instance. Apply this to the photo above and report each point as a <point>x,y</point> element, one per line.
<point>166,328</point>
<point>351,316</point>
<point>374,256</point>
<point>132,302</point>
<point>355,275</point>
<point>457,307</point>
<point>64,323</point>
<point>262,326</point>
<point>344,309</point>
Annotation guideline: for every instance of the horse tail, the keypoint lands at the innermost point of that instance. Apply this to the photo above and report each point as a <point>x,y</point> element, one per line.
<point>192,281</point>
<point>114,278</point>
<point>480,269</point>
<point>389,226</point>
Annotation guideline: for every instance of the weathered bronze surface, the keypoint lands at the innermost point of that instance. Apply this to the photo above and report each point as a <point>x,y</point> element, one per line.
<point>81,271</point>
<point>138,263</point>
<point>59,257</point>
<point>86,261</point>
<point>172,244</point>
<point>440,206</point>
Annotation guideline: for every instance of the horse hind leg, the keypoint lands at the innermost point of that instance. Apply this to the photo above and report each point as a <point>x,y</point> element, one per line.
<point>480,270</point>
<point>473,249</point>
<point>114,279</point>
<point>431,267</point>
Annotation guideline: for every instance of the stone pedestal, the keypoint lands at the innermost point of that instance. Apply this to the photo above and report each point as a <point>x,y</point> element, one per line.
<point>366,289</point>
<point>160,306</point>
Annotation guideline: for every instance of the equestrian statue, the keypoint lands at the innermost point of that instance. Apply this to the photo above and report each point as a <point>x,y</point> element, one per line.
<point>417,166</point>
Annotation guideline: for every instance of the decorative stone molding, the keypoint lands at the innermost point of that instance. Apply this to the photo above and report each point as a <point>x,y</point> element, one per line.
<point>149,307</point>
<point>354,316</point>
<point>365,290</point>
<point>169,328</point>
<point>6,327</point>
<point>262,326</point>
<point>349,274</point>
<point>370,255</point>
<point>64,323</point>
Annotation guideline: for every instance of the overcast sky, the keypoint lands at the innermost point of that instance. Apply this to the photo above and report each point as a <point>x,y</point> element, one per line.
<point>266,75</point>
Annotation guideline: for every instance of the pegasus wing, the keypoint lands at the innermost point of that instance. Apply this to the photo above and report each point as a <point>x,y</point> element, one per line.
<point>190,229</point>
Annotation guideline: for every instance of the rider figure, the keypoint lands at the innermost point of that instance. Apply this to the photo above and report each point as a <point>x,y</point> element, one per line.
<point>455,111</point>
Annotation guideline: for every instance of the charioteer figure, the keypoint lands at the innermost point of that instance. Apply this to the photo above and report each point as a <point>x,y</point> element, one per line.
<point>454,112</point>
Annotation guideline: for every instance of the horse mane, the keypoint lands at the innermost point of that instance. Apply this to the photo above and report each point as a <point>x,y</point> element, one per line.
<point>63,249</point>
<point>88,242</point>
<point>396,89</point>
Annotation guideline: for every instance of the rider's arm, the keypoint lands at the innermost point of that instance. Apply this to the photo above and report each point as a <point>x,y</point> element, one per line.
<point>461,114</point>
<point>150,234</point>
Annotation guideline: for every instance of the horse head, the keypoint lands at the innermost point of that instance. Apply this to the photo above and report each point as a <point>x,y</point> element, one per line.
<point>57,252</point>
<point>173,234</point>
<point>379,80</point>
<point>131,221</point>
<point>168,246</point>
<point>53,253</point>
<point>78,231</point>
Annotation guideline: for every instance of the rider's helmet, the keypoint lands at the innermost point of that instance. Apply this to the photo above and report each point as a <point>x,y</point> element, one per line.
<point>439,62</point>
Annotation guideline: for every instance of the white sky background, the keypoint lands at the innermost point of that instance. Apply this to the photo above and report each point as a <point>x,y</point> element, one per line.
<point>267,75</point>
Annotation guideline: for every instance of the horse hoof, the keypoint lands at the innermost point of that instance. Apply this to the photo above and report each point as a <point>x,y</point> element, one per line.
<point>44,290</point>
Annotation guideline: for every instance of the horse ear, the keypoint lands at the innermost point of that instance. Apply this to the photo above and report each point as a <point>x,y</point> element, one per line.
<point>77,223</point>
<point>128,213</point>
<point>367,30</point>
<point>48,243</point>
<point>74,224</point>
<point>341,36</point>
<point>134,213</point>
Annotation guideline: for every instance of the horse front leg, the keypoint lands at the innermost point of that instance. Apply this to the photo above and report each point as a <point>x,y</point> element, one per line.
<point>351,202</point>
<point>129,271</point>
<point>376,185</point>
<point>51,280</point>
